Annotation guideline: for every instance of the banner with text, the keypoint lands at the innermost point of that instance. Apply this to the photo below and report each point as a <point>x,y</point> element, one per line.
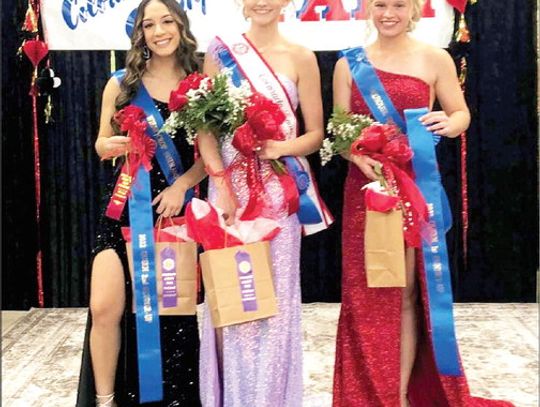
<point>316,24</point>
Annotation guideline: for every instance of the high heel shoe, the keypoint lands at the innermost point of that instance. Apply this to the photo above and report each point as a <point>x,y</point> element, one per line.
<point>105,401</point>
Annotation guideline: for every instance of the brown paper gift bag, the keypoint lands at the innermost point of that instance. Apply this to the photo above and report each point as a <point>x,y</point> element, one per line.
<point>238,283</point>
<point>176,276</point>
<point>384,249</point>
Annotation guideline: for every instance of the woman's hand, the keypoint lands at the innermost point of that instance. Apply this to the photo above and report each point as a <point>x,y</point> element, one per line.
<point>366,165</point>
<point>270,150</point>
<point>170,200</point>
<point>114,146</point>
<point>226,201</point>
<point>437,122</point>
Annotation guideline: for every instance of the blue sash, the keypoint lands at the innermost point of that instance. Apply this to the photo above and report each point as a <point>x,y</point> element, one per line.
<point>375,96</point>
<point>308,213</point>
<point>144,271</point>
<point>372,89</point>
<point>229,63</point>
<point>435,254</point>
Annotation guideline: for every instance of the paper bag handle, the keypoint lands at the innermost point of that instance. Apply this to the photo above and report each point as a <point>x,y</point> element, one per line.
<point>159,223</point>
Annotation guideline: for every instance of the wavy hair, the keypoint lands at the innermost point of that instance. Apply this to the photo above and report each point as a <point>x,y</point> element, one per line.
<point>135,61</point>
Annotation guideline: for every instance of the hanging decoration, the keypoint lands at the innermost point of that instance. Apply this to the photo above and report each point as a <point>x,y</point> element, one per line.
<point>458,5</point>
<point>46,82</point>
<point>36,50</point>
<point>460,49</point>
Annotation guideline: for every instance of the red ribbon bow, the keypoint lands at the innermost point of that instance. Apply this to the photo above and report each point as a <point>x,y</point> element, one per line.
<point>142,148</point>
<point>386,144</point>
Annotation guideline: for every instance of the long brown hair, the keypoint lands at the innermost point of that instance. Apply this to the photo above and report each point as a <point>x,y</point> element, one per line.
<point>135,61</point>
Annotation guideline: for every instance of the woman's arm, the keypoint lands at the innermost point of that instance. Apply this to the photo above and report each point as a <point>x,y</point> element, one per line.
<point>342,83</point>
<point>455,117</point>
<point>309,92</point>
<point>209,149</point>
<point>342,88</point>
<point>107,144</point>
<point>171,199</point>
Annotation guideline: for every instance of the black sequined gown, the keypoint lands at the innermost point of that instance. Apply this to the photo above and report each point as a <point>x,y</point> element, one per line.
<point>179,334</point>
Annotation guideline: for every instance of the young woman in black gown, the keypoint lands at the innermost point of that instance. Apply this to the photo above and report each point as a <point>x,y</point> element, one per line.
<point>161,55</point>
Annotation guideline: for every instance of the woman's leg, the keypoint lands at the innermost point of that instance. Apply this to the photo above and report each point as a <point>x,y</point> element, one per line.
<point>107,302</point>
<point>409,329</point>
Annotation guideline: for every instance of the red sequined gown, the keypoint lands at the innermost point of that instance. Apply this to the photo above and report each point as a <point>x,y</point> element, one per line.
<point>367,369</point>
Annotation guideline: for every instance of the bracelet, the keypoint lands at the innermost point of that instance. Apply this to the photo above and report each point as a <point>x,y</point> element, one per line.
<point>224,174</point>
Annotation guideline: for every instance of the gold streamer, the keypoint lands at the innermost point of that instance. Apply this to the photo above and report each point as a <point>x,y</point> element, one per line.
<point>463,34</point>
<point>113,61</point>
<point>48,110</point>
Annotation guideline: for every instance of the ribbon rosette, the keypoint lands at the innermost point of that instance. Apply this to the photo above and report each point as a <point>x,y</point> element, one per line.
<point>386,144</point>
<point>142,148</point>
<point>206,226</point>
<point>130,117</point>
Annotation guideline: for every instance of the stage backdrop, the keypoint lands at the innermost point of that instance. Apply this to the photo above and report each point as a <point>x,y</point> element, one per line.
<point>502,165</point>
<point>317,24</point>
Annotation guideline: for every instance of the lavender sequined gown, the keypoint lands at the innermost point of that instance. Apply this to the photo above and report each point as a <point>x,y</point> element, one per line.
<point>262,360</point>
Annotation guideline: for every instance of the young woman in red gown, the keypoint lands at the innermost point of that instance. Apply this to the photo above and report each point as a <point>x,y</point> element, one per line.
<point>384,355</point>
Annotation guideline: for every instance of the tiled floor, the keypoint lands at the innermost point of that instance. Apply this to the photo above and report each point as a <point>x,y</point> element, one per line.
<point>498,342</point>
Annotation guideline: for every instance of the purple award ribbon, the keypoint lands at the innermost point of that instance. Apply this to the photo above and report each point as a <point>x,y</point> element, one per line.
<point>244,268</point>
<point>168,277</point>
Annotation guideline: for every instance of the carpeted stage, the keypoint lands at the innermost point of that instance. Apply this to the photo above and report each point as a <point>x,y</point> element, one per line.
<point>41,352</point>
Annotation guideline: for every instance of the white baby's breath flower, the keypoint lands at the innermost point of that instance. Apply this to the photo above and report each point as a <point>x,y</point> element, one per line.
<point>326,152</point>
<point>205,84</point>
<point>193,94</point>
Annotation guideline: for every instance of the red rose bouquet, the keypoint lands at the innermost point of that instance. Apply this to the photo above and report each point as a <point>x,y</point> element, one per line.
<point>204,103</point>
<point>385,143</point>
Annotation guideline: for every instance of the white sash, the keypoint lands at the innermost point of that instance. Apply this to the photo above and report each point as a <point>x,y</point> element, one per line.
<point>264,80</point>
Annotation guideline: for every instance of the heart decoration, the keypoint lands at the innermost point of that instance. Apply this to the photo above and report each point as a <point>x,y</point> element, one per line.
<point>35,50</point>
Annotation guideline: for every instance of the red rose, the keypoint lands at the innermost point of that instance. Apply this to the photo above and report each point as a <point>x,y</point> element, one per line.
<point>265,117</point>
<point>245,140</point>
<point>177,101</point>
<point>265,125</point>
<point>372,139</point>
<point>398,151</point>
<point>258,102</point>
<point>356,148</point>
<point>190,82</point>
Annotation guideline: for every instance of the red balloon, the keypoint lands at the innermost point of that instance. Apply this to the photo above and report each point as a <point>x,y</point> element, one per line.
<point>35,50</point>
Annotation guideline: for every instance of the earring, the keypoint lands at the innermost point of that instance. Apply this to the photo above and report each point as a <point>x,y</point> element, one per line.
<point>244,13</point>
<point>146,52</point>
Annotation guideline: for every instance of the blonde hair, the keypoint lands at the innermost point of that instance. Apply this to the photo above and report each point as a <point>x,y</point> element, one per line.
<point>416,14</point>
